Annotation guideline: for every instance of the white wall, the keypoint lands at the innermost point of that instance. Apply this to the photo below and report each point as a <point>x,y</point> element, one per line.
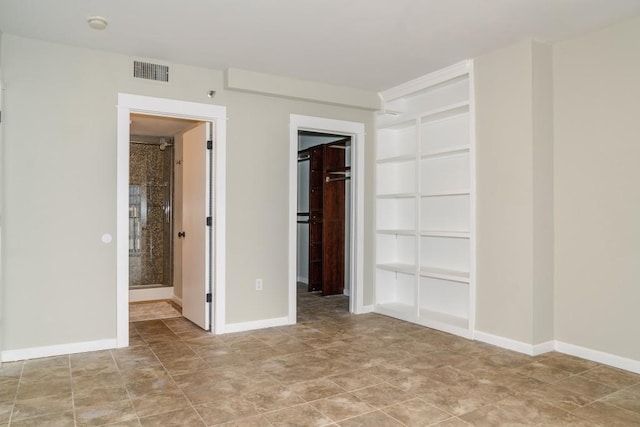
<point>597,190</point>
<point>60,189</point>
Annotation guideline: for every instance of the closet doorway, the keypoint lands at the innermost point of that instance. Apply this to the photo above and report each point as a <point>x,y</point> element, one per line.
<point>326,210</point>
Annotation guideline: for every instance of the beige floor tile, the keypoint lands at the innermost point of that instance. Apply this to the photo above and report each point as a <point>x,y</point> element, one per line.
<point>317,389</point>
<point>258,421</point>
<point>187,417</point>
<point>371,419</point>
<point>193,365</point>
<point>624,399</point>
<point>221,411</point>
<point>65,419</point>
<point>382,395</point>
<point>608,415</point>
<point>302,415</point>
<point>416,413</point>
<point>5,411</point>
<point>616,378</point>
<point>452,422</point>
<point>354,380</point>
<point>105,413</point>
<point>8,389</point>
<point>513,411</point>
<point>160,402</point>
<point>565,362</point>
<point>84,385</point>
<point>274,398</point>
<point>542,372</point>
<point>40,406</point>
<point>100,394</point>
<point>562,398</point>
<point>30,390</point>
<point>585,387</point>
<point>342,406</point>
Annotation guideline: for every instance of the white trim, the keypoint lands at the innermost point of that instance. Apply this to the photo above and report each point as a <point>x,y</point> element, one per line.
<point>304,280</point>
<point>257,324</point>
<point>128,104</point>
<point>356,131</point>
<point>177,300</point>
<point>431,79</point>
<point>56,350</point>
<point>473,199</point>
<point>599,356</point>
<point>136,295</point>
<point>509,344</point>
<point>367,309</point>
<point>543,347</point>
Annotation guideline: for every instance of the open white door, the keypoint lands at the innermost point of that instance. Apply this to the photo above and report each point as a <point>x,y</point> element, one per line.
<point>196,240</point>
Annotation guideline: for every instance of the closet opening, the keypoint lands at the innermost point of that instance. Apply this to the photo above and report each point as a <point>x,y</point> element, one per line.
<point>323,262</point>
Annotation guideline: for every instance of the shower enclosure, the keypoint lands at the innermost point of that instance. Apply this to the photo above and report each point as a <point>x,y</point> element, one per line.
<point>150,212</point>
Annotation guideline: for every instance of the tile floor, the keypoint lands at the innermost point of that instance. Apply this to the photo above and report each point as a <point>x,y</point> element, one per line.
<point>330,369</point>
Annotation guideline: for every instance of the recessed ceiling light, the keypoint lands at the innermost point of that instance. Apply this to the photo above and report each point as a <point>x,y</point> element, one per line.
<point>97,22</point>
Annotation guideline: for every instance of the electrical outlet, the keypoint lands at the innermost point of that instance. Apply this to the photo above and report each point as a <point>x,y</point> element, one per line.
<point>258,284</point>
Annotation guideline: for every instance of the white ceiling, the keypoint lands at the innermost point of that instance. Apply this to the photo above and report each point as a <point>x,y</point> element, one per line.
<point>370,44</point>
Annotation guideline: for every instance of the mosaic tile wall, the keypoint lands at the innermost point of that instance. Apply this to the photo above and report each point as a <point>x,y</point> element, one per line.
<point>151,169</point>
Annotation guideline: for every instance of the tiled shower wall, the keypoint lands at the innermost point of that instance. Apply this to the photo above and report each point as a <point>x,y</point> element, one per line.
<point>151,169</point>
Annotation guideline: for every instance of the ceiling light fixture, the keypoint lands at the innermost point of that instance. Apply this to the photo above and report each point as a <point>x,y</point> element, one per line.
<point>97,22</point>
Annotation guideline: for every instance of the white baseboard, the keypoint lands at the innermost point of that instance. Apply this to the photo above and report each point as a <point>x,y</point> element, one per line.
<point>544,347</point>
<point>177,300</point>
<point>519,346</point>
<point>346,292</point>
<point>599,356</point>
<point>304,280</point>
<point>164,292</point>
<point>367,309</point>
<point>57,350</point>
<point>258,324</point>
<point>561,347</point>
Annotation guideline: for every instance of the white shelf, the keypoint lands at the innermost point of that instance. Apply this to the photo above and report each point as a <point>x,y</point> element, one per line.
<point>396,196</point>
<point>441,273</point>
<point>446,193</point>
<point>397,232</point>
<point>452,234</point>
<point>398,310</point>
<point>445,322</point>
<point>452,151</point>
<point>398,159</point>
<point>424,203</point>
<point>398,268</point>
<point>445,112</point>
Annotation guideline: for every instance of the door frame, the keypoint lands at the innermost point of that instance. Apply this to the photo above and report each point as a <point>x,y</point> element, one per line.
<point>127,104</point>
<point>336,127</point>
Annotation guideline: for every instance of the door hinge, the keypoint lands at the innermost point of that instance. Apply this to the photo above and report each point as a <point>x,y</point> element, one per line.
<point>209,221</point>
<point>208,297</point>
<point>209,145</point>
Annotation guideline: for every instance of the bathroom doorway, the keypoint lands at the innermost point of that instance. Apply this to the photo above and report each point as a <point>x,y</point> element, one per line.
<point>202,137</point>
<point>154,218</point>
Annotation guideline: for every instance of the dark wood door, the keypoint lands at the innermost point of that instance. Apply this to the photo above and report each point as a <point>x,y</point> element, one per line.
<point>316,187</point>
<point>333,222</point>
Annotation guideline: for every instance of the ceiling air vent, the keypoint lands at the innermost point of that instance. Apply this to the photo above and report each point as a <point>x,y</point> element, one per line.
<point>149,71</point>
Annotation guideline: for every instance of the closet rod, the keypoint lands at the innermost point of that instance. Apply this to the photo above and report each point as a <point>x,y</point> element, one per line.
<point>337,179</point>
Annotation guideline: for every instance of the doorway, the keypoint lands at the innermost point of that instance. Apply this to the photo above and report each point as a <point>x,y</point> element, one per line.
<point>206,301</point>
<point>348,137</point>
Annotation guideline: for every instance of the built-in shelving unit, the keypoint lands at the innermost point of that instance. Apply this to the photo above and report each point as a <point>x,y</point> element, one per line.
<point>425,198</point>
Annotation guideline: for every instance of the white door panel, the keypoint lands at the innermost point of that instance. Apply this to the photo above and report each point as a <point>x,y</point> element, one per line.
<point>196,184</point>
